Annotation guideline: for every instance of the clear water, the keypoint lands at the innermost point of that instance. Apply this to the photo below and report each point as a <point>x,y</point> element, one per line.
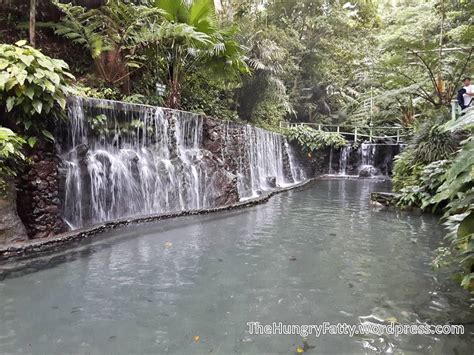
<point>305,257</point>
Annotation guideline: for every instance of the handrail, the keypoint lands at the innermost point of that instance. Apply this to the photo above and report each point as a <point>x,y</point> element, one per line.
<point>354,130</point>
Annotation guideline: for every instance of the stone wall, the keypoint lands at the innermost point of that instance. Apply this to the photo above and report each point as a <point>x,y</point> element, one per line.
<point>38,201</point>
<point>11,228</point>
<point>41,185</point>
<point>314,164</point>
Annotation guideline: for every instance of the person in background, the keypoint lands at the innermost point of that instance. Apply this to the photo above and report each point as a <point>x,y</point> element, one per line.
<point>469,92</point>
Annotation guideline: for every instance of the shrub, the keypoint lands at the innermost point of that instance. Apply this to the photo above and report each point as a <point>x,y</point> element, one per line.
<point>405,171</point>
<point>419,192</point>
<point>10,155</point>
<point>457,192</point>
<point>31,85</point>
<point>311,139</point>
<point>431,143</point>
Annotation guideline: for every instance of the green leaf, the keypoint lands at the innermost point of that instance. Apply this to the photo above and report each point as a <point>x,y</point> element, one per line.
<point>30,92</point>
<point>37,105</point>
<point>61,101</point>
<point>27,59</point>
<point>32,141</point>
<point>10,103</point>
<point>48,135</point>
<point>20,43</point>
<point>3,63</point>
<point>4,76</point>
<point>467,226</point>
<point>27,124</point>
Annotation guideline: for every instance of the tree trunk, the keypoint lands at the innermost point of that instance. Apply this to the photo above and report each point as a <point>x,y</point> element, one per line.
<point>32,22</point>
<point>174,97</point>
<point>11,227</point>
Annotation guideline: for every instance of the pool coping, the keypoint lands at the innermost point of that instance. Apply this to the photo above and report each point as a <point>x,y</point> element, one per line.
<point>39,247</point>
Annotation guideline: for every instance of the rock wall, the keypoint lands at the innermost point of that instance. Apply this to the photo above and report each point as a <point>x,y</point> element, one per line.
<point>314,164</point>
<point>11,228</point>
<point>224,176</point>
<point>41,187</point>
<point>38,201</point>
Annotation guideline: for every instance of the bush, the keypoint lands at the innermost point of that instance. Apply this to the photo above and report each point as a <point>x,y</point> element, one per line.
<point>405,171</point>
<point>311,139</point>
<point>10,155</point>
<point>446,186</point>
<point>431,144</point>
<point>418,192</point>
<point>457,192</point>
<point>31,85</point>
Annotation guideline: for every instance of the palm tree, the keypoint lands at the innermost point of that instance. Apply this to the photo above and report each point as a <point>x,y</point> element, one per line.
<point>190,38</point>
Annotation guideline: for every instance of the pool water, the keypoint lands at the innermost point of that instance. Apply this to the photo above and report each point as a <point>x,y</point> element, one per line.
<point>319,254</point>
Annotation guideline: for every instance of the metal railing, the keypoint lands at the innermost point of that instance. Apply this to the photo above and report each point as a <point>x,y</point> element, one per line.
<point>369,133</point>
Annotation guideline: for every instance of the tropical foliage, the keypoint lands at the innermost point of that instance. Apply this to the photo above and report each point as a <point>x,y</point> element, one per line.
<point>457,192</point>
<point>31,85</point>
<point>311,139</point>
<point>10,156</point>
<point>445,186</point>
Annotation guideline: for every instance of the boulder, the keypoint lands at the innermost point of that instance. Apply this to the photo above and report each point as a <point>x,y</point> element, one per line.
<point>367,171</point>
<point>271,181</point>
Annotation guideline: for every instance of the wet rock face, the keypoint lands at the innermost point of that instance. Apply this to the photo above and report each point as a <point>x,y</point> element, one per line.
<point>11,227</point>
<point>38,200</point>
<point>220,161</point>
<point>314,164</point>
<point>271,181</point>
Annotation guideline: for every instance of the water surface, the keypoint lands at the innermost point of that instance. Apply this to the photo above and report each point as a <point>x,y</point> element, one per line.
<point>305,257</point>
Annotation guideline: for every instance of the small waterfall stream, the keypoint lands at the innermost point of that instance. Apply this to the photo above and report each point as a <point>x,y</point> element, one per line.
<point>121,160</point>
<point>343,160</point>
<point>367,159</point>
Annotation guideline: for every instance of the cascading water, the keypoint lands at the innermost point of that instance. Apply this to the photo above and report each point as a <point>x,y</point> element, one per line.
<point>367,167</point>
<point>343,160</point>
<point>368,159</point>
<point>297,173</point>
<point>262,162</point>
<point>368,153</point>
<point>121,160</point>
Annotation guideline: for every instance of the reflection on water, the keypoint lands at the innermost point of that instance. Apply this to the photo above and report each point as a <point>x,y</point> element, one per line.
<point>305,257</point>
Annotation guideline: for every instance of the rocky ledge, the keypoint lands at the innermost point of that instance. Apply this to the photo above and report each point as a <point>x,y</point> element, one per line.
<point>384,198</point>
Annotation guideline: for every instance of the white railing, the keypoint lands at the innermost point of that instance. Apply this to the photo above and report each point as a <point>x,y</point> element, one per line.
<point>368,133</point>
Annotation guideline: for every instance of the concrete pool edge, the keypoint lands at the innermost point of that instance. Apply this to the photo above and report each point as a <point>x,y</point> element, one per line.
<point>38,247</point>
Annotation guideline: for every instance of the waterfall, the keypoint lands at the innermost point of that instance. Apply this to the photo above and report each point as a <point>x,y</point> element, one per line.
<point>121,160</point>
<point>368,159</point>
<point>297,172</point>
<point>264,155</point>
<point>368,153</point>
<point>330,161</point>
<point>343,160</point>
